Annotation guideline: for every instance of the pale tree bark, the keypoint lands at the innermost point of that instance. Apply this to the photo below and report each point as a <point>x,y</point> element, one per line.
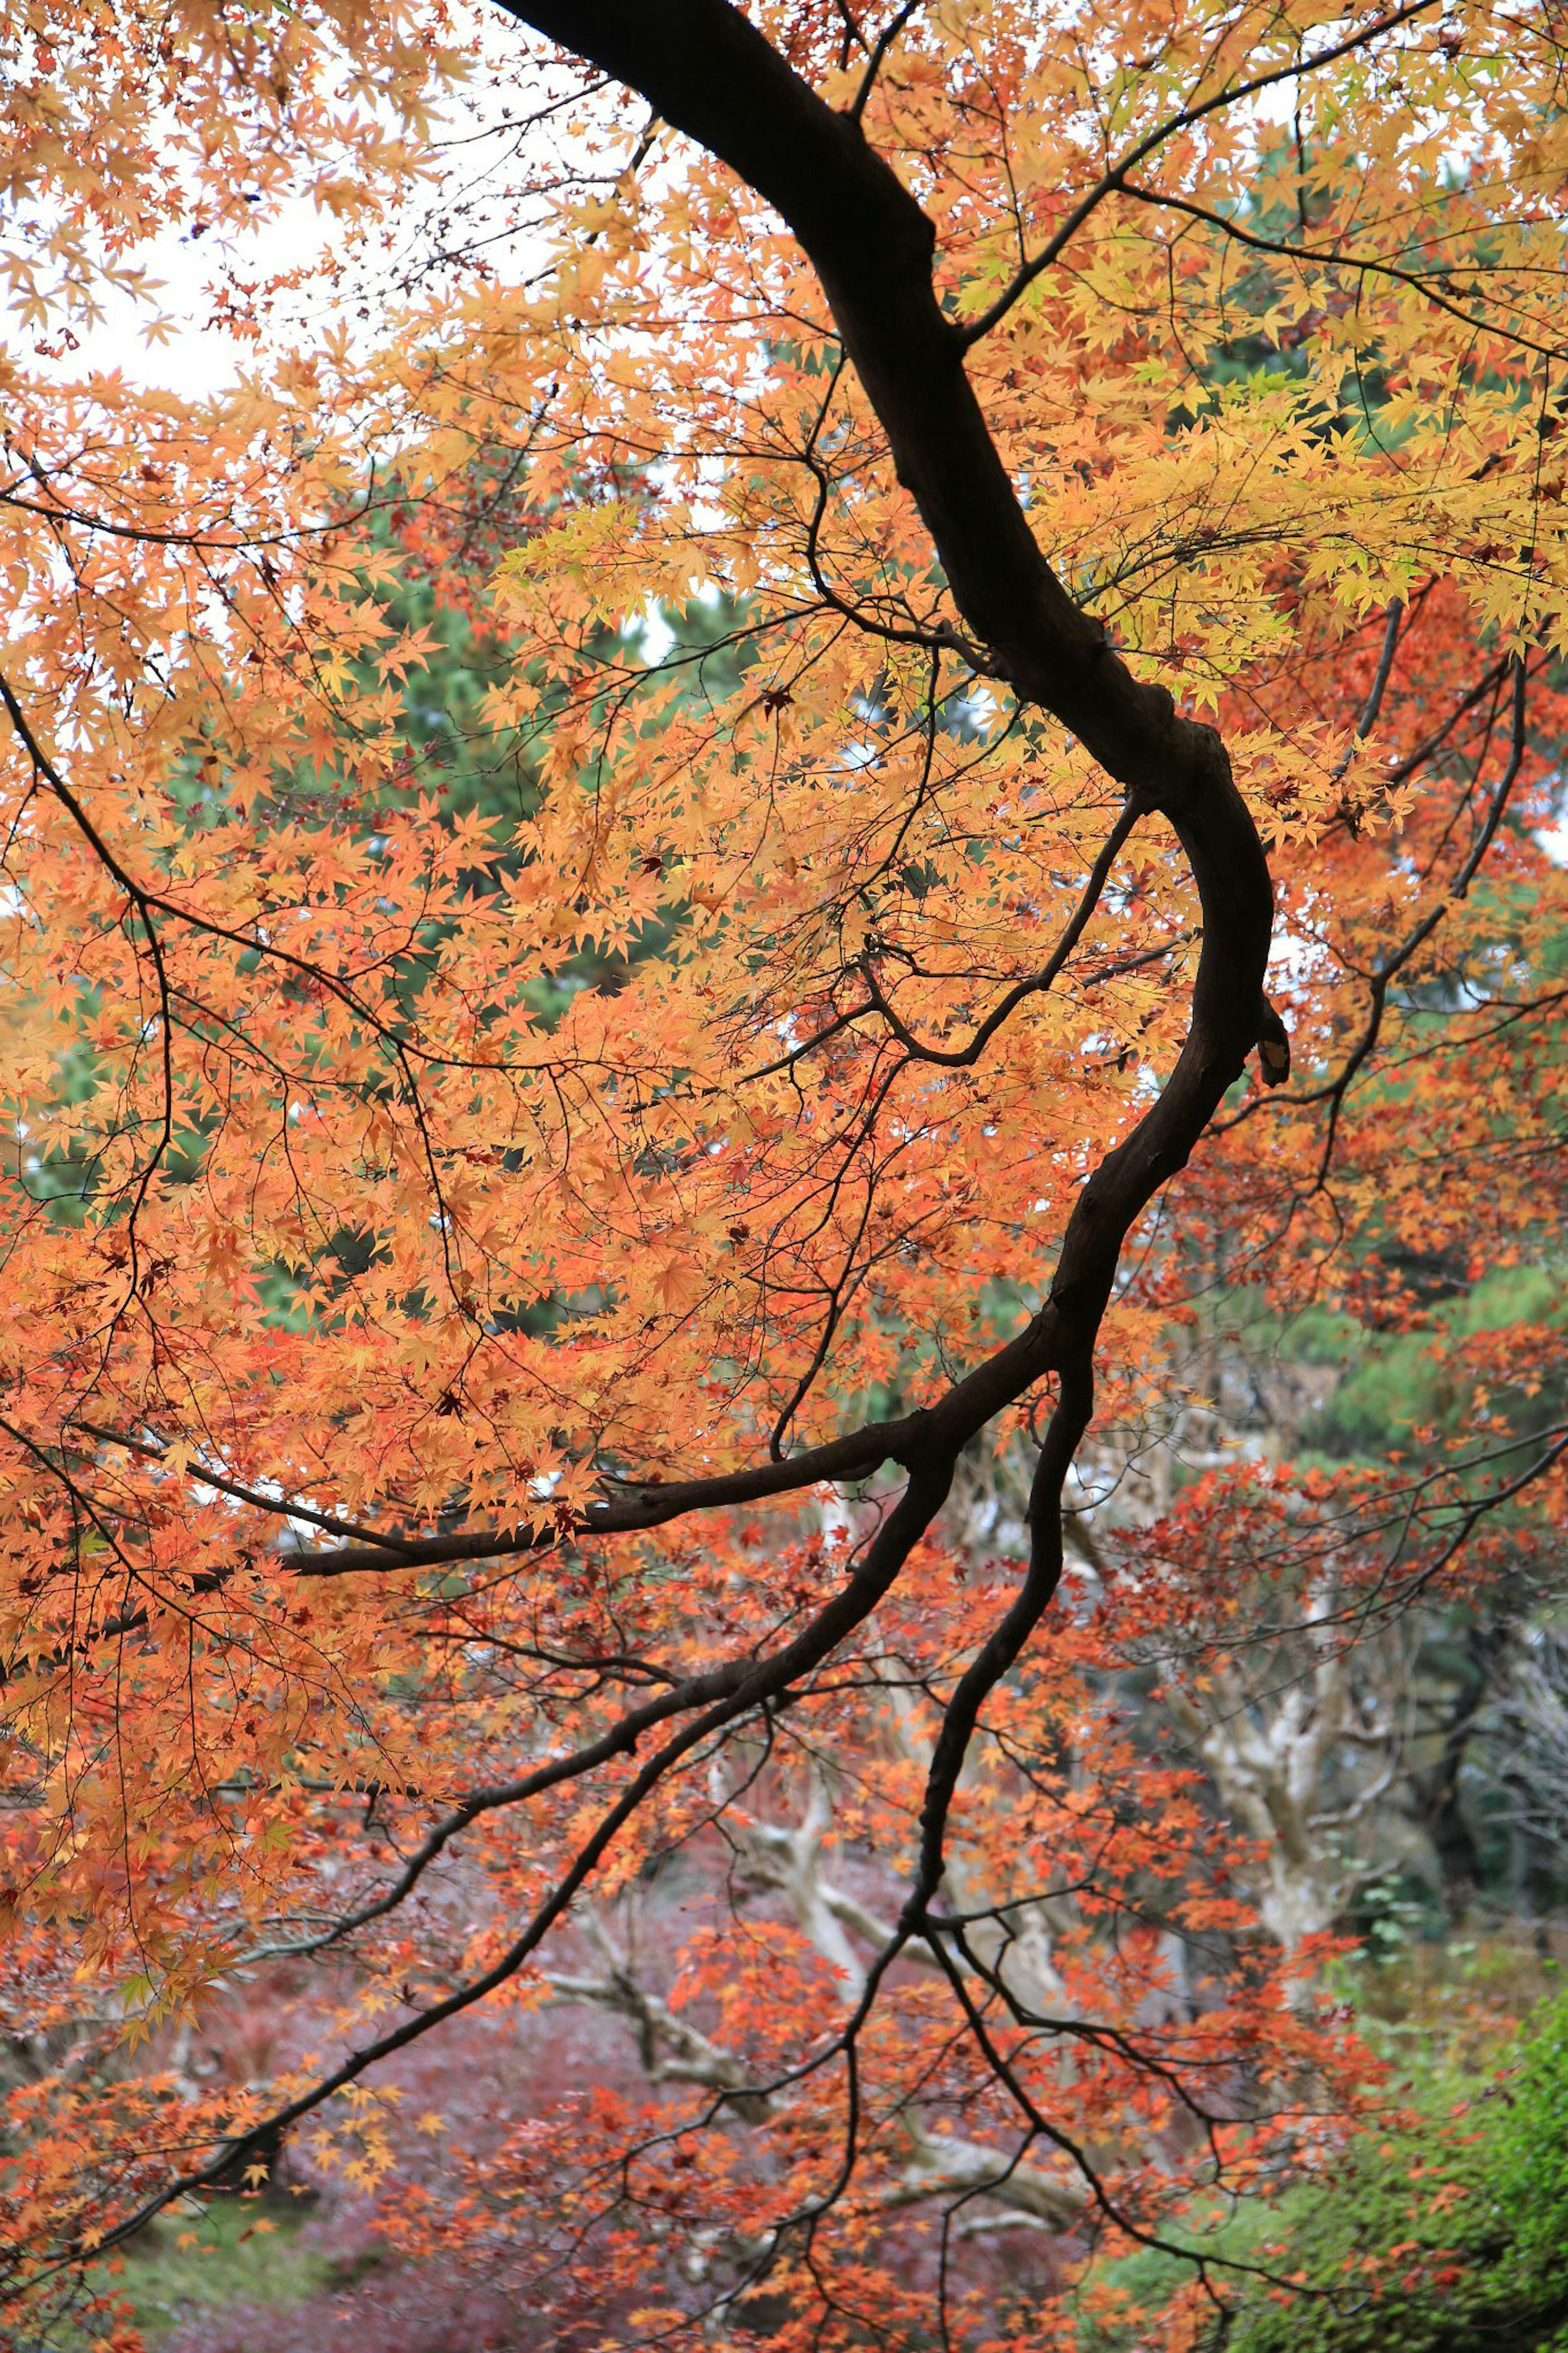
<point>924,2161</point>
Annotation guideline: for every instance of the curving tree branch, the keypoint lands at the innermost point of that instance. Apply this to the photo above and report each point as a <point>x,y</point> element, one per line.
<point>713,76</point>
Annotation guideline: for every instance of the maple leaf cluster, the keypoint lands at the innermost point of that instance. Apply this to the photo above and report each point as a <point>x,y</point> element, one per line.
<point>543,1140</point>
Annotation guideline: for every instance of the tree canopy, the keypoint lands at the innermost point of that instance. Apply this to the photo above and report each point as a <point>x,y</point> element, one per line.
<point>847,735</point>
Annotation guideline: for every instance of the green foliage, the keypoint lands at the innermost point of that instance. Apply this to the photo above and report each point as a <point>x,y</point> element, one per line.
<point>1530,2168</point>
<point>1397,1383</point>
<point>1445,2233</point>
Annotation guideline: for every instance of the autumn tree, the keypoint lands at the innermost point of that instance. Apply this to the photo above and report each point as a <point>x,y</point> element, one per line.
<point>501,1286</point>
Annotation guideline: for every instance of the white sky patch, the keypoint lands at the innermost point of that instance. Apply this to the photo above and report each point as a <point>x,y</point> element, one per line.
<point>168,335</point>
<point>167,338</point>
<point>657,639</point>
<point>1553,840</point>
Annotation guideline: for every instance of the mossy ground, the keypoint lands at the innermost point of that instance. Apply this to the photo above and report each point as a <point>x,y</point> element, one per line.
<point>239,2251</point>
